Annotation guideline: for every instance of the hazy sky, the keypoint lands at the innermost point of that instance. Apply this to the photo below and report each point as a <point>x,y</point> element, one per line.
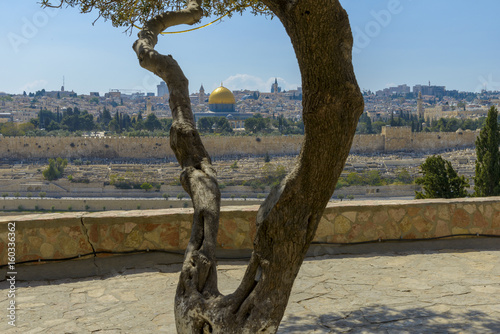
<point>453,43</point>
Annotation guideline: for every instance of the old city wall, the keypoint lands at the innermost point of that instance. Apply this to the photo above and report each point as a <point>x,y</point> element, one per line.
<point>397,138</point>
<point>139,147</point>
<point>83,147</point>
<point>276,145</point>
<point>368,144</point>
<point>443,140</point>
<point>392,139</point>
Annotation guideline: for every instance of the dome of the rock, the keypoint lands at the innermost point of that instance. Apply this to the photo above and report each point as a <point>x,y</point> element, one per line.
<point>221,95</point>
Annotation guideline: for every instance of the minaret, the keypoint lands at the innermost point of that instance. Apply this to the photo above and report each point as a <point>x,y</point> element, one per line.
<point>420,107</point>
<point>201,96</point>
<point>62,87</point>
<point>149,109</point>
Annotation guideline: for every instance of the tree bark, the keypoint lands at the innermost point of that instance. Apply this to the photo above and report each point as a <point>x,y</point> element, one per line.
<point>287,220</point>
<point>199,276</point>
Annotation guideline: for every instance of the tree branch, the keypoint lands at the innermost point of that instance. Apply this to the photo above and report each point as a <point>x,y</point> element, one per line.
<point>198,278</point>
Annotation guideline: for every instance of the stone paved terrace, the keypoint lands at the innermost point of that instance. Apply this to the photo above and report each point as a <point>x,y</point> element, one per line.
<point>440,291</point>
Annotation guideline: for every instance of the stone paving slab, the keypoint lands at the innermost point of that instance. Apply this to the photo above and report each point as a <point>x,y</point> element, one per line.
<point>428,292</point>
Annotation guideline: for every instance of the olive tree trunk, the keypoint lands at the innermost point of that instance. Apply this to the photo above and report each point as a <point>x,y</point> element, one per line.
<point>287,220</point>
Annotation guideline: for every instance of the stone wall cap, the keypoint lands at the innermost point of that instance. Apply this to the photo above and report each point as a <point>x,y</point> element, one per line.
<point>225,209</point>
<point>118,213</point>
<point>42,216</point>
<point>413,202</point>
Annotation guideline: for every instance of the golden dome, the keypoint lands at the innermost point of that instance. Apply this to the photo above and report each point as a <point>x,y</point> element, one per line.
<point>221,95</point>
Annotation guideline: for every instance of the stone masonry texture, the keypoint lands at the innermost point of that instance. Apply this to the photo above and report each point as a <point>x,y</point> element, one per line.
<point>60,236</point>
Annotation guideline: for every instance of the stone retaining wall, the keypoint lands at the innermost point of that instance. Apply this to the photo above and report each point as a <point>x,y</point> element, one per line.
<point>58,236</point>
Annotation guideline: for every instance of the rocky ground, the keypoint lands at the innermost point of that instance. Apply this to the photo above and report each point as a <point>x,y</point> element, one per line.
<point>450,291</point>
<point>15,175</point>
<point>227,170</point>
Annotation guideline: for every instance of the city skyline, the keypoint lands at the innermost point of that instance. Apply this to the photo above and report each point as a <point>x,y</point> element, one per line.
<point>395,42</point>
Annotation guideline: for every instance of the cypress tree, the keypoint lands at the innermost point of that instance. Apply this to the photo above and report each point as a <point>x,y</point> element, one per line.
<point>369,127</point>
<point>487,179</point>
<point>440,180</point>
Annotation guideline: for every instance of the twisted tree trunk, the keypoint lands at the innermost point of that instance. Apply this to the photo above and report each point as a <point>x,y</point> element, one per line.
<point>287,220</point>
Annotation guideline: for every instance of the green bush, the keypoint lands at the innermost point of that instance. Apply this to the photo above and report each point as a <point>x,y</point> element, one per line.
<point>367,178</point>
<point>267,158</point>
<point>55,169</point>
<point>404,176</point>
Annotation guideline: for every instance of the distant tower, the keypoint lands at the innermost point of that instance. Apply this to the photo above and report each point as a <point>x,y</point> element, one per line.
<point>149,109</point>
<point>274,88</point>
<point>201,97</point>
<point>62,87</point>
<point>162,89</point>
<point>420,107</point>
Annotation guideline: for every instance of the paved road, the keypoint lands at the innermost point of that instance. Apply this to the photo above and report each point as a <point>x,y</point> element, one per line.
<point>432,292</point>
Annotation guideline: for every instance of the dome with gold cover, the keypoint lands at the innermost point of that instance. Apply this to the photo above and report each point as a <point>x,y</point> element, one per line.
<point>221,100</point>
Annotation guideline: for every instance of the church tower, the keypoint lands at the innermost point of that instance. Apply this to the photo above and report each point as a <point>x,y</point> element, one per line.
<point>420,107</point>
<point>201,96</point>
<point>274,88</point>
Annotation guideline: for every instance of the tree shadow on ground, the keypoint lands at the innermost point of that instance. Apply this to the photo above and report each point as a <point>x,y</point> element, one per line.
<point>402,247</point>
<point>89,269</point>
<point>384,319</point>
